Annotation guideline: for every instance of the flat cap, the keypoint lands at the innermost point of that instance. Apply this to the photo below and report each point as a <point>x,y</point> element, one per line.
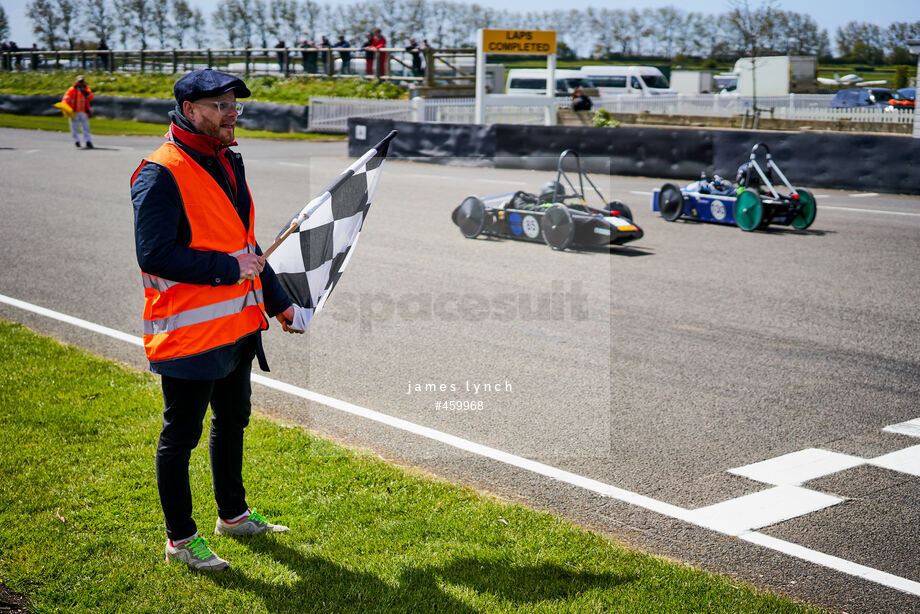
<point>208,82</point>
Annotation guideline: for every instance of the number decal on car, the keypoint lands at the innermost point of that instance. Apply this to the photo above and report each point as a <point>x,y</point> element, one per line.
<point>531,226</point>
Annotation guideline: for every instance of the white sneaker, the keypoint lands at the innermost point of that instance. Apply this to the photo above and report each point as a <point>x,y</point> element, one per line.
<point>253,524</point>
<point>196,554</point>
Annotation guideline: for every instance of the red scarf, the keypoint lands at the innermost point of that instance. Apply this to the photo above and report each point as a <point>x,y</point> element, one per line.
<point>207,146</point>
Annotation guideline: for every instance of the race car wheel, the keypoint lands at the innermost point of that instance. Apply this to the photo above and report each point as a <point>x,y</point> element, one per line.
<point>748,210</point>
<point>670,202</point>
<point>808,210</point>
<point>558,227</point>
<point>470,216</point>
<point>617,208</point>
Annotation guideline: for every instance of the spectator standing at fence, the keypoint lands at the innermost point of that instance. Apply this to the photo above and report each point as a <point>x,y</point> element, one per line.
<point>345,56</point>
<point>36,58</point>
<point>378,42</point>
<point>308,55</point>
<point>369,54</point>
<point>79,97</point>
<point>580,100</point>
<point>281,45</point>
<point>416,53</point>
<point>14,49</point>
<point>209,294</point>
<point>103,55</point>
<point>326,55</point>
<point>4,50</point>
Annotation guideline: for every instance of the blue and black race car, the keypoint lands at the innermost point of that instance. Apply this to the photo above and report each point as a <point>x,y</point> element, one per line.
<point>557,216</point>
<point>752,203</point>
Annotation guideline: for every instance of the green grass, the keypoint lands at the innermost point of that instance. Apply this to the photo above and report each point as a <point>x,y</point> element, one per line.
<point>131,128</point>
<point>81,528</point>
<point>293,90</point>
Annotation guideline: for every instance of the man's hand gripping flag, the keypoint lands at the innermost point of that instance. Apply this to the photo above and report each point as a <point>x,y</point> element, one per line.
<point>326,232</point>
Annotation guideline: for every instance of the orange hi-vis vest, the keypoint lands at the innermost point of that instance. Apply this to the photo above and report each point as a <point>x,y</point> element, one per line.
<point>183,319</point>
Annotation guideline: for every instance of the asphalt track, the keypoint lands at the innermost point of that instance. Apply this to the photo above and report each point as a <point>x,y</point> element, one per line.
<point>647,372</point>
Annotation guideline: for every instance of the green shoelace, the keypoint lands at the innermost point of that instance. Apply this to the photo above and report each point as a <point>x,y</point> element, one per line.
<point>260,520</point>
<point>199,548</point>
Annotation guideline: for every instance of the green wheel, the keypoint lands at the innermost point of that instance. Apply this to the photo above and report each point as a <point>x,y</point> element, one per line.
<point>807,211</point>
<point>748,210</point>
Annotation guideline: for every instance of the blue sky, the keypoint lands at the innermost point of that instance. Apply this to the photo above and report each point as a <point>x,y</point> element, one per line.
<point>830,14</point>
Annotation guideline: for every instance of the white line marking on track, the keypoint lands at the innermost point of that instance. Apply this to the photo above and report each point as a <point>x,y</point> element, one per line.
<point>295,164</point>
<point>607,490</point>
<point>62,317</point>
<point>640,192</point>
<point>905,461</point>
<point>540,335</point>
<point>762,509</point>
<point>446,178</point>
<point>864,195</point>
<point>796,468</point>
<point>833,562</point>
<point>427,176</point>
<point>911,427</point>
<point>501,181</point>
<point>882,211</point>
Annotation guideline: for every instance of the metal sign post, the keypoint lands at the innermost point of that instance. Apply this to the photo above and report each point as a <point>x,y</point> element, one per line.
<point>914,47</point>
<point>525,42</point>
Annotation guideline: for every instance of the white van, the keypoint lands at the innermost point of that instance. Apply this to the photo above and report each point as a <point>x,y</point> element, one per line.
<point>635,80</point>
<point>533,81</point>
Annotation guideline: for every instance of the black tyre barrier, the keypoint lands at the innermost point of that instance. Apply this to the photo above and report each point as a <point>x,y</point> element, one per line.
<point>29,105</point>
<point>652,152</point>
<point>880,163</point>
<point>466,144</point>
<point>257,116</point>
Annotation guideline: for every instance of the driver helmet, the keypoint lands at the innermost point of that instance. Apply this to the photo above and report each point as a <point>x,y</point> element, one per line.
<point>747,177</point>
<point>552,190</point>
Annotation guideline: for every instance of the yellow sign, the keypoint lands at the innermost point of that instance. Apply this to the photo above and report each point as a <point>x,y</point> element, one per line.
<point>534,42</point>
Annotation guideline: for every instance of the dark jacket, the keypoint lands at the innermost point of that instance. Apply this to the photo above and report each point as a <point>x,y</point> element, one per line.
<point>162,235</point>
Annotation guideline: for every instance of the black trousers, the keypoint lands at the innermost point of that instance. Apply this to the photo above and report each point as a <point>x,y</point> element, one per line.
<point>186,402</point>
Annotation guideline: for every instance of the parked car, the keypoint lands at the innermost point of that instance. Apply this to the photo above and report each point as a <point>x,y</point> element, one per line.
<point>862,97</point>
<point>905,98</point>
<point>636,80</point>
<point>533,81</point>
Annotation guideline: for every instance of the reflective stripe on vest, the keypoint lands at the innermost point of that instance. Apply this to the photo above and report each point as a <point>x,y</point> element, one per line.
<point>204,314</point>
<point>183,319</point>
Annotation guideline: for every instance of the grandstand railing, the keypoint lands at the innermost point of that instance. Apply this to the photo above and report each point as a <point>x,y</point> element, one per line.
<point>439,65</point>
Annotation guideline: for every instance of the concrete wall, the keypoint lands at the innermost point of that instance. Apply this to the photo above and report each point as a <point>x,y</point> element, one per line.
<point>879,163</point>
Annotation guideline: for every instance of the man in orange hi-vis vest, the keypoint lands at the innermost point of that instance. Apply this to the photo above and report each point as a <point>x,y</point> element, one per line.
<point>208,295</point>
<point>78,98</point>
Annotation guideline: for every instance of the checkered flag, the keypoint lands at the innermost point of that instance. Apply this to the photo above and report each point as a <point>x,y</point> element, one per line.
<point>326,232</point>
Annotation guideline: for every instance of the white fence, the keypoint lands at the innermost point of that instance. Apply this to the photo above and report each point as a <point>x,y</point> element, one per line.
<point>331,114</point>
<point>811,107</point>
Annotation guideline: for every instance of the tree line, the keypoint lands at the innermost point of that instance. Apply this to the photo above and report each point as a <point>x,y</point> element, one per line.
<point>602,33</point>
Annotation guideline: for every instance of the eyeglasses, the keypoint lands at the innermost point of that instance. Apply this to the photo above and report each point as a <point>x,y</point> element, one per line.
<point>224,106</point>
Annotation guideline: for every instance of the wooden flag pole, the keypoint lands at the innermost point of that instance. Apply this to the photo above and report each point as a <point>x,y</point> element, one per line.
<point>295,224</point>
